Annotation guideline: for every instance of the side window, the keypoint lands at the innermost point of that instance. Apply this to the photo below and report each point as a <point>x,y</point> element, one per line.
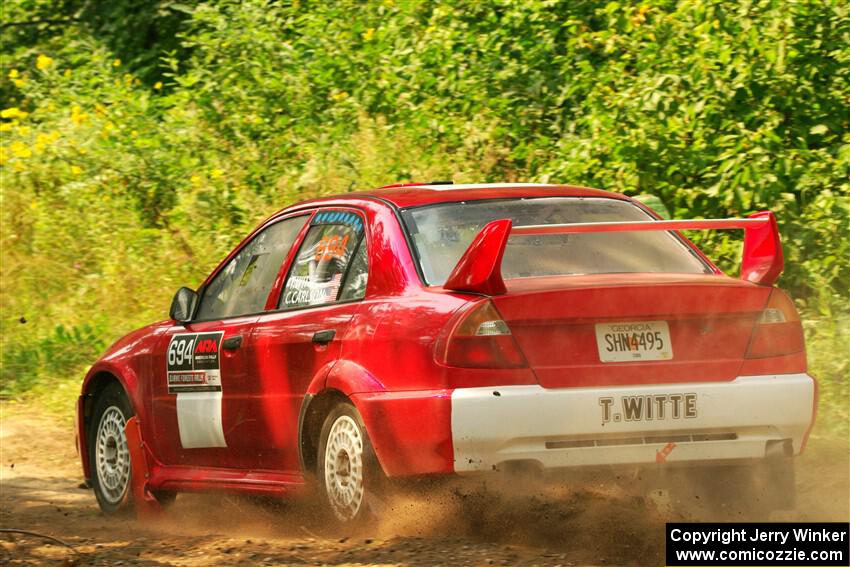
<point>320,273</point>
<point>358,275</point>
<point>243,285</point>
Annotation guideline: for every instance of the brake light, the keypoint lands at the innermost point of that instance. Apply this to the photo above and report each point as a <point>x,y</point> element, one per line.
<point>479,338</point>
<point>778,330</point>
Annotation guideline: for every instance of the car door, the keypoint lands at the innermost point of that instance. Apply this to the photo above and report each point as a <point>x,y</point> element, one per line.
<point>202,406</point>
<point>306,335</point>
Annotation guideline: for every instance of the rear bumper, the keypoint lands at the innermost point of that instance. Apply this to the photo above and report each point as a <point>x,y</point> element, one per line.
<point>743,419</point>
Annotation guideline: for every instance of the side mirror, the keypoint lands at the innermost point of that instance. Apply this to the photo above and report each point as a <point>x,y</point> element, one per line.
<point>183,305</point>
<point>763,261</point>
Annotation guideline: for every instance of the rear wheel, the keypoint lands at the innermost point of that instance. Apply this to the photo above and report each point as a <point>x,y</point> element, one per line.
<point>348,471</point>
<point>108,451</point>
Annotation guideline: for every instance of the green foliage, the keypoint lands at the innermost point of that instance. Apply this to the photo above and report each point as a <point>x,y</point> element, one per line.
<point>827,343</point>
<point>49,357</point>
<point>142,140</point>
<point>138,31</point>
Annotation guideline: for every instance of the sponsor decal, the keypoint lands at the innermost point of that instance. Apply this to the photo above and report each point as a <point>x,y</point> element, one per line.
<point>301,290</point>
<point>193,362</point>
<point>339,217</point>
<point>193,371</point>
<point>649,408</point>
<point>331,247</point>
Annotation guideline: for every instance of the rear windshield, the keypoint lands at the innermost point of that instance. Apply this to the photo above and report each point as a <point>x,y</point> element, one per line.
<point>441,234</point>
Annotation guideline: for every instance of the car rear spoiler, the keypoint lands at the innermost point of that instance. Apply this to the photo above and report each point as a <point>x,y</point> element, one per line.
<point>480,268</point>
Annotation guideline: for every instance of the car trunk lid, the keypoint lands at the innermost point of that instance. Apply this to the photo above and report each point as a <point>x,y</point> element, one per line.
<point>601,330</point>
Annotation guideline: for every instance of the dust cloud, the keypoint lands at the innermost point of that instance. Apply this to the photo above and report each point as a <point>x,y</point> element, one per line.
<point>598,517</point>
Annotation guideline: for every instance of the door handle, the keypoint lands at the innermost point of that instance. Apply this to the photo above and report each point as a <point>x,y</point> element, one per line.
<point>232,343</point>
<point>324,337</point>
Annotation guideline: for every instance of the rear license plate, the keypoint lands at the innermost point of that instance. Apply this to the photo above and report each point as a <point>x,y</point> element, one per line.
<point>634,342</point>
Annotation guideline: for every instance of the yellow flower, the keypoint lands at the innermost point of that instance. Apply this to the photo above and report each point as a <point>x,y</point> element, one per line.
<point>116,63</point>
<point>24,130</point>
<point>6,126</point>
<point>342,95</point>
<point>195,180</point>
<point>4,157</point>
<point>430,29</point>
<point>77,115</point>
<point>369,34</point>
<point>67,73</point>
<point>157,85</point>
<point>216,173</point>
<point>13,74</point>
<point>42,62</point>
<point>76,169</point>
<point>19,82</point>
<point>13,112</point>
<point>20,149</point>
<point>42,141</point>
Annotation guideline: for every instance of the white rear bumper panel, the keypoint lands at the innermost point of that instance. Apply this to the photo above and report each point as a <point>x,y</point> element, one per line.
<point>593,426</point>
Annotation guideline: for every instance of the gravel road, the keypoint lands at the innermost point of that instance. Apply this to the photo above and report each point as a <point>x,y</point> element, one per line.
<point>587,520</point>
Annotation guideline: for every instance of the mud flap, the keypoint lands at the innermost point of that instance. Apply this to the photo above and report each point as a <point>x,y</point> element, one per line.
<point>146,504</point>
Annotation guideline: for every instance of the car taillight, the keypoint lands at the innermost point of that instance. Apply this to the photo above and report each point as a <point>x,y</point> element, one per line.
<point>778,330</point>
<point>479,338</point>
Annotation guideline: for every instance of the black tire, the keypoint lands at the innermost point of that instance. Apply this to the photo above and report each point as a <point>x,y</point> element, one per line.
<point>364,503</point>
<point>114,494</point>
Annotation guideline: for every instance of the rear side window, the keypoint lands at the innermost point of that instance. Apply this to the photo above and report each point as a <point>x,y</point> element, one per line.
<point>331,264</point>
<point>442,233</point>
<point>243,285</point>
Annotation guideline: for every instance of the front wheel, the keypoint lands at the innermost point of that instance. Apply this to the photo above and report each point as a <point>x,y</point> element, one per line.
<point>108,451</point>
<point>348,471</point>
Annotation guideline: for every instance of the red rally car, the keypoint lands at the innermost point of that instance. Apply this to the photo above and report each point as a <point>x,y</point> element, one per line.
<point>434,329</point>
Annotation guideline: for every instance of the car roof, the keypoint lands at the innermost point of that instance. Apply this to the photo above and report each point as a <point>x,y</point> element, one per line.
<point>414,195</point>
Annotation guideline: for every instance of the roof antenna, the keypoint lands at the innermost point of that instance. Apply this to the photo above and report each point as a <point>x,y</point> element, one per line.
<point>444,182</point>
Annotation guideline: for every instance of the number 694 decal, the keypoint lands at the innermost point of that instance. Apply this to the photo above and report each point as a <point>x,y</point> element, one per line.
<point>193,363</point>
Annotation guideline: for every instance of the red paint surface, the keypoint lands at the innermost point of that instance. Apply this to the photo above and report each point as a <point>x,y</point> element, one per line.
<point>763,260</point>
<point>411,431</point>
<point>479,269</point>
<point>383,357</point>
<point>145,504</point>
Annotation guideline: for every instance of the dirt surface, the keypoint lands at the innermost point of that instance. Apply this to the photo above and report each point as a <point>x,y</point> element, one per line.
<point>596,519</point>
